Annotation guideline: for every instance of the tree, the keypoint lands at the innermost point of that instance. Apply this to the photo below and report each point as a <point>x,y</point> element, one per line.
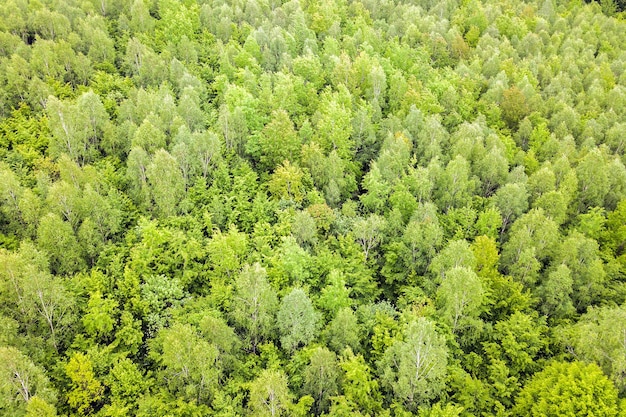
<point>567,389</point>
<point>23,385</point>
<point>40,298</point>
<point>556,293</point>
<point>137,166</point>
<point>127,382</point>
<point>166,181</point>
<point>339,177</point>
<point>343,331</point>
<point>269,394</point>
<point>423,236</point>
<point>599,337</point>
<point>333,125</point>
<point>101,46</point>
<point>378,190</point>
<point>592,223</point>
<point>144,64</point>
<point>555,204</point>
<point>503,296</point>
<point>593,181</point>
<point>189,109</point>
<point>86,390</point>
<point>148,136</point>
<point>181,153</point>
<point>57,238</point>
<point>512,201</point>
<point>517,342</point>
<point>455,185</point>
<point>254,304</point>
<point>394,156</point>
<point>514,106</point>
<point>581,256</point>
<point>304,228</point>
<point>492,170</point>
<point>540,182</point>
<point>297,320</point>
<point>11,192</point>
<point>234,127</point>
<point>363,133</point>
<point>456,255</point>
<point>368,232</point>
<point>489,223</point>
<point>335,295</point>
<point>615,235</point>
<point>77,128</point>
<point>159,293</point>
<point>360,389</point>
<point>415,367</point>
<point>104,211</point>
<point>216,331</point>
<point>460,296</point>
<point>431,139</point>
<point>38,407</point>
<point>438,410</point>
<point>206,147</point>
<point>294,261</point>
<point>321,378</point>
<point>190,364</point>
<point>93,117</point>
<point>533,240</point>
<point>288,183</point>
<point>99,316</point>
<point>66,201</point>
<point>64,130</point>
<point>278,141</point>
<point>227,251</point>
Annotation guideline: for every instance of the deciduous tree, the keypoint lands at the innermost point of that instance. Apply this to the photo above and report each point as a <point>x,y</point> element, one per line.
<point>297,320</point>
<point>415,367</point>
<point>567,388</point>
<point>254,304</point>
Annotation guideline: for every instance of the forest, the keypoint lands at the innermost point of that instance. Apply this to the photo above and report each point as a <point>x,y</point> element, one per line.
<point>374,208</point>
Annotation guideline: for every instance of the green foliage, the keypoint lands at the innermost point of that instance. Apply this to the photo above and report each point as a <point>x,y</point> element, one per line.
<point>297,320</point>
<point>345,208</point>
<point>86,390</point>
<point>514,106</point>
<point>57,237</point>
<point>415,367</point>
<point>254,304</point>
<point>269,394</point>
<point>278,141</point>
<point>360,389</point>
<point>321,378</point>
<point>167,183</point>
<point>76,128</point>
<point>567,389</point>
<point>343,331</point>
<point>288,183</point>
<point>190,364</point>
<point>25,386</point>
<point>460,296</point>
<point>517,341</point>
<point>40,302</point>
<point>597,337</point>
<point>126,382</point>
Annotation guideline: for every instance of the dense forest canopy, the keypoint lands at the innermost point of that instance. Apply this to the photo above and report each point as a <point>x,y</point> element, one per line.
<point>303,208</point>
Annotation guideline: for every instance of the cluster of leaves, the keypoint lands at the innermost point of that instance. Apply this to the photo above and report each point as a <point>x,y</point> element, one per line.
<point>338,207</point>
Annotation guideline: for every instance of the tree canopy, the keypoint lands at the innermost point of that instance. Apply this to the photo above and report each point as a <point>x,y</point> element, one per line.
<point>312,208</point>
